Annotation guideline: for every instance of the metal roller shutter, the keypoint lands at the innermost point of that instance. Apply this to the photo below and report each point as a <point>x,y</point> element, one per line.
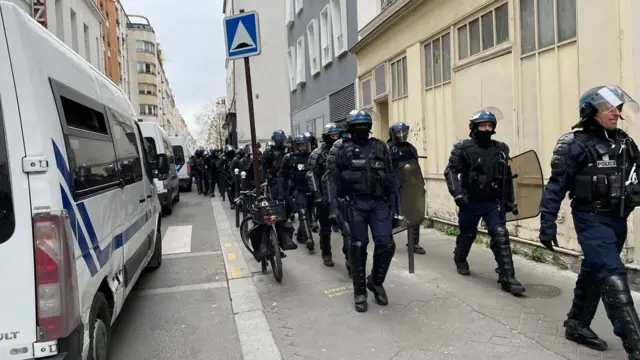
<point>341,103</point>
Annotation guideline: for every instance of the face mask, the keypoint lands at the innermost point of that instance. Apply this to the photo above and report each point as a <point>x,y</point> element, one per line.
<point>483,136</point>
<point>361,134</point>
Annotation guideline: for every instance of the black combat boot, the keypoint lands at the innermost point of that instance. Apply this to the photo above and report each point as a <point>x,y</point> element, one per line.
<point>358,253</point>
<point>304,218</point>
<point>460,253</point>
<point>381,264</point>
<point>325,246</point>
<point>506,272</point>
<point>585,304</point>
<point>617,296</point>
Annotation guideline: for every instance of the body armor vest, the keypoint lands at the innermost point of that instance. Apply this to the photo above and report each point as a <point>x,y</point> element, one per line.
<point>300,168</point>
<point>484,177</point>
<point>365,173</point>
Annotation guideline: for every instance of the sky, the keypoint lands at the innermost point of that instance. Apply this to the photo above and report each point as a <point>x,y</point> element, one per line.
<point>192,40</point>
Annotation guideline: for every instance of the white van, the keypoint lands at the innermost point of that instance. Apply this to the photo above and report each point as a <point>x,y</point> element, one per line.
<point>182,155</point>
<point>164,165</point>
<point>79,215</point>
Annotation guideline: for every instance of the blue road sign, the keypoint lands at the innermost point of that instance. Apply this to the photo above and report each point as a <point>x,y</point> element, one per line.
<point>242,35</point>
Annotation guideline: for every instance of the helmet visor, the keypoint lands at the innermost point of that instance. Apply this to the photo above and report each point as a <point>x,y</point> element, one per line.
<point>610,97</point>
<point>400,135</point>
<point>483,114</point>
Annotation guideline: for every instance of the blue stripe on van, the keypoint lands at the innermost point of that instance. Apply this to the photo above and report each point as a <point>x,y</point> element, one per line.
<point>179,167</point>
<point>118,241</point>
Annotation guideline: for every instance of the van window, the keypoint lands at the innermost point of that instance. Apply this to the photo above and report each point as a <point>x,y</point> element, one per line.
<point>151,149</point>
<point>92,157</point>
<point>169,151</point>
<point>178,153</point>
<point>7,218</point>
<point>127,153</point>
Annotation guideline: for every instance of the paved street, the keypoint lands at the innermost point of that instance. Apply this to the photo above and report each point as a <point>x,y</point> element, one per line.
<point>184,309</point>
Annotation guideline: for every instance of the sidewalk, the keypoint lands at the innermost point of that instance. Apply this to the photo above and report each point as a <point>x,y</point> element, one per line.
<point>433,314</point>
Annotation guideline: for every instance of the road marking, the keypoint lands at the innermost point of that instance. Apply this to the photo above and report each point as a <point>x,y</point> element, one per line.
<point>227,244</point>
<point>177,240</point>
<point>192,254</point>
<point>231,256</point>
<point>256,338</point>
<point>340,290</point>
<point>175,289</point>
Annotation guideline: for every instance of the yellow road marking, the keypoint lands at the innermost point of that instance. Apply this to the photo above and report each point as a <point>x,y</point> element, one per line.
<point>231,256</point>
<point>236,273</point>
<point>228,244</point>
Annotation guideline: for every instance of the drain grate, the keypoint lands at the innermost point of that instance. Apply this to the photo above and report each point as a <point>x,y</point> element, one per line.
<point>542,291</point>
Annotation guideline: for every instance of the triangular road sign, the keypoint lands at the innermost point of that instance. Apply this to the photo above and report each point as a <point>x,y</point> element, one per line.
<point>242,39</point>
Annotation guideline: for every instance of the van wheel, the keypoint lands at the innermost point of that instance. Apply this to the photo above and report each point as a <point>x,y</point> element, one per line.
<point>99,329</point>
<point>156,259</point>
<point>168,209</point>
<point>188,188</point>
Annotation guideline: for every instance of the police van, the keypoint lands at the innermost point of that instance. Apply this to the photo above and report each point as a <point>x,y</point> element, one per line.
<point>182,154</point>
<point>163,162</point>
<point>79,215</point>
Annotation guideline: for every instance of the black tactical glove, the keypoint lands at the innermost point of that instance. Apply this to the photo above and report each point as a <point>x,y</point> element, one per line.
<point>462,201</point>
<point>548,241</point>
<point>335,218</point>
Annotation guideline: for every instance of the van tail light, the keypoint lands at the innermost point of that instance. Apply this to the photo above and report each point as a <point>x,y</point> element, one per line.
<point>165,186</point>
<point>56,282</point>
<point>188,169</point>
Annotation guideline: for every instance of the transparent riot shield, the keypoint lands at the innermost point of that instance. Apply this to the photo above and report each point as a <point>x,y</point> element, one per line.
<point>526,188</point>
<point>412,192</point>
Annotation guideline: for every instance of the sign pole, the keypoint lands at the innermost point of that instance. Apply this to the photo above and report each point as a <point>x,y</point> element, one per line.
<point>252,124</point>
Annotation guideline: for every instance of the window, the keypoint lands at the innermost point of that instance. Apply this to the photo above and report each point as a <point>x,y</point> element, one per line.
<point>92,157</point>
<point>437,56</point>
<point>548,32</point>
<point>126,144</point>
<point>74,30</point>
<point>296,130</point>
<point>145,46</point>
<point>298,6</point>
<point>300,74</point>
<point>291,63</point>
<point>339,25</point>
<point>147,89</point>
<point>365,99</point>
<point>148,110</point>
<point>7,216</point>
<point>87,43</point>
<point>380,75</point>
<point>147,68</point>
<point>399,85</point>
<point>314,47</point>
<point>326,40</point>
<point>288,6</point>
<point>484,32</point>
<point>178,152</point>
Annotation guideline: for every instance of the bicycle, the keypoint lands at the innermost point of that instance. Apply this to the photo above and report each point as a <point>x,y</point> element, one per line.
<point>264,214</point>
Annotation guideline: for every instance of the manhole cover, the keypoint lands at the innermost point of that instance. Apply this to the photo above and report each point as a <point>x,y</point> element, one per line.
<point>541,291</point>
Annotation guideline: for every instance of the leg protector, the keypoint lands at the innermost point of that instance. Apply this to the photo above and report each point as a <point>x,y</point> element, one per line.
<point>617,296</point>
<point>381,263</point>
<point>460,253</point>
<point>585,304</point>
<point>325,245</point>
<point>306,229</point>
<point>502,252</point>
<point>358,253</point>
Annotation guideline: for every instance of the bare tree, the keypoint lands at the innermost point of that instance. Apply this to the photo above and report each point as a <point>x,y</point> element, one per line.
<point>210,121</point>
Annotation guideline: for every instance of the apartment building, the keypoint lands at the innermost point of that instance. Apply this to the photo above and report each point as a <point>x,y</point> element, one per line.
<point>116,56</point>
<point>321,69</point>
<point>78,23</point>
<point>432,63</point>
<point>271,99</point>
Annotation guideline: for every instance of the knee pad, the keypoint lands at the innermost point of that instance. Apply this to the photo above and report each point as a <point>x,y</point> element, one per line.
<point>501,235</point>
<point>615,291</point>
<point>389,248</point>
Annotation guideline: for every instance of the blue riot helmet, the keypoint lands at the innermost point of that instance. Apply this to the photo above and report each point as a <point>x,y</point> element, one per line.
<point>241,152</point>
<point>489,114</point>
<point>331,133</point>
<point>301,144</point>
<point>312,139</point>
<point>229,151</point>
<point>399,133</point>
<point>279,138</point>
<point>611,100</point>
<point>359,124</point>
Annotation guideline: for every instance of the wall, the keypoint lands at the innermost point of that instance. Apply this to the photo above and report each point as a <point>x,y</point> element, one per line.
<point>537,92</point>
<point>337,74</point>
<point>59,23</point>
<point>318,111</point>
<point>110,43</point>
<point>367,10</point>
<point>269,75</point>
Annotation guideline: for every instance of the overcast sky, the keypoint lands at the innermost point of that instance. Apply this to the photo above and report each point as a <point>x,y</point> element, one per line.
<point>192,39</point>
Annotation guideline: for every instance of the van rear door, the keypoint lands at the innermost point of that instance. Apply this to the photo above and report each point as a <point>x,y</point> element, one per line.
<point>17,278</point>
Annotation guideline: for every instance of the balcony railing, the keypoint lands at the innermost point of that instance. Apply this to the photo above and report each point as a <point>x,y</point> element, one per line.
<point>385,4</point>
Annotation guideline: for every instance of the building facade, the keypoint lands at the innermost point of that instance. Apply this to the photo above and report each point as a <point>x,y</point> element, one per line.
<point>268,75</point>
<point>321,69</point>
<point>432,63</point>
<point>78,23</point>
<point>116,56</point>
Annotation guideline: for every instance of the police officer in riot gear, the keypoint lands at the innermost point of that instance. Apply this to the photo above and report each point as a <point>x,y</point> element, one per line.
<point>402,151</point>
<point>317,167</point>
<point>227,173</point>
<point>294,171</point>
<point>312,140</point>
<point>475,177</point>
<point>594,165</point>
<point>272,161</point>
<point>359,169</point>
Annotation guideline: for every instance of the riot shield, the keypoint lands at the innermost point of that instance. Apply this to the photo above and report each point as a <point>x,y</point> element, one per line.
<point>412,192</point>
<point>527,187</point>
